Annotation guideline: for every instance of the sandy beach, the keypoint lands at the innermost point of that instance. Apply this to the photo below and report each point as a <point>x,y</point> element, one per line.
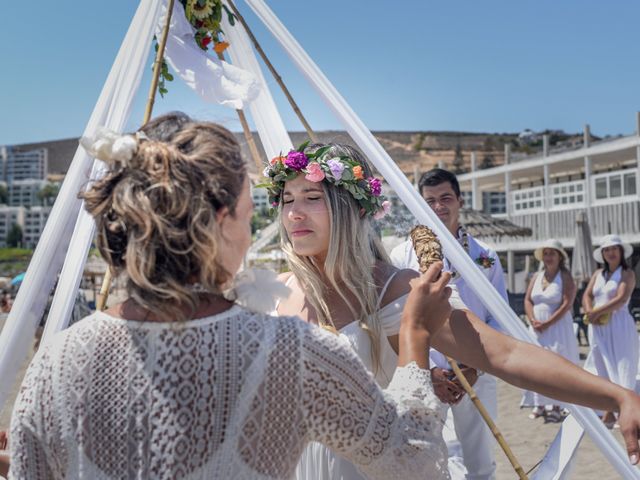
<point>529,439</point>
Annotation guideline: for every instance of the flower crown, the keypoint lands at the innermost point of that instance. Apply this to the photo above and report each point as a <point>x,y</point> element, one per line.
<point>342,171</point>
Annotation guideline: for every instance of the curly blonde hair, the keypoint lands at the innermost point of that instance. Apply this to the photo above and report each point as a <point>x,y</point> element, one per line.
<point>156,213</point>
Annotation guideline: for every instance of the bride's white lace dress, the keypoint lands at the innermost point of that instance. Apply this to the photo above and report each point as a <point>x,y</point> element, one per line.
<point>235,395</point>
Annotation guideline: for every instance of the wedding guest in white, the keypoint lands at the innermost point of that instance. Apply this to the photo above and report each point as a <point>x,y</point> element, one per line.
<point>441,191</point>
<point>612,330</point>
<point>548,304</point>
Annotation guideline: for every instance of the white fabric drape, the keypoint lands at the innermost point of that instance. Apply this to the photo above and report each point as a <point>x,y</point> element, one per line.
<point>273,134</point>
<point>215,81</point>
<point>411,198</point>
<point>112,109</point>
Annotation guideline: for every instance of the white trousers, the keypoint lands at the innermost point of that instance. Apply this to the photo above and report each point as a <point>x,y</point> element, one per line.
<point>475,440</point>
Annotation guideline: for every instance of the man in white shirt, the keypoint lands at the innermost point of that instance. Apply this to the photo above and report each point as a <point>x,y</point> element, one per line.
<point>441,191</point>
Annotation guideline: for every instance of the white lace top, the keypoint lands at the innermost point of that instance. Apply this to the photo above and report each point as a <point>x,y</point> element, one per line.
<point>235,395</point>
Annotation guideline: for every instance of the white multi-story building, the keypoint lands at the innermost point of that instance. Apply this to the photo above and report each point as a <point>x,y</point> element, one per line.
<point>35,219</point>
<point>546,192</point>
<point>9,216</point>
<point>25,192</point>
<point>17,165</point>
<point>260,198</point>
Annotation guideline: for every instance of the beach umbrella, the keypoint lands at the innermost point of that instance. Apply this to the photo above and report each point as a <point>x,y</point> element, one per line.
<point>582,263</point>
<point>17,279</point>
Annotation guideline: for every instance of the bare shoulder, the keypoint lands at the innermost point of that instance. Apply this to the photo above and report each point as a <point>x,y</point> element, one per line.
<point>284,277</point>
<point>628,275</point>
<point>566,277</point>
<point>399,285</point>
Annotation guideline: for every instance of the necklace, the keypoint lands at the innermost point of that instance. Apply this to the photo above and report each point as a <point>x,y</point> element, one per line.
<point>463,239</point>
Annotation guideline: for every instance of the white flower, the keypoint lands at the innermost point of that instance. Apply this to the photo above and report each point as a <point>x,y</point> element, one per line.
<point>257,290</point>
<point>124,148</point>
<point>110,146</point>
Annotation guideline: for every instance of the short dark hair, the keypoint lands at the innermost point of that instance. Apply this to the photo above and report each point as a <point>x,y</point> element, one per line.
<point>436,176</point>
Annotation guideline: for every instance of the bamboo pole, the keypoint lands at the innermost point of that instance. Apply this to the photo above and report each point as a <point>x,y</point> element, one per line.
<point>275,73</point>
<point>103,295</point>
<point>248,136</point>
<point>487,418</point>
<point>253,148</point>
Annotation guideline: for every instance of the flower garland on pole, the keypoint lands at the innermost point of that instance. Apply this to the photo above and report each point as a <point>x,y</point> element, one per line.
<point>206,18</point>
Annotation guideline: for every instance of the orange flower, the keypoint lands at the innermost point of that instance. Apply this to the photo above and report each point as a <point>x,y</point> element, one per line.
<point>275,160</point>
<point>357,172</point>
<point>221,47</point>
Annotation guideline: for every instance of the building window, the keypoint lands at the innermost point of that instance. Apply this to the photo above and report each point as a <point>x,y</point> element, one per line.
<point>615,185</point>
<point>566,194</point>
<point>630,183</point>
<point>528,200</point>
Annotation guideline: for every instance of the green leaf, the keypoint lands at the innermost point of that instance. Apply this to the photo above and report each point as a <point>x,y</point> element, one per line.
<point>303,146</point>
<point>169,77</point>
<point>230,16</point>
<point>321,151</point>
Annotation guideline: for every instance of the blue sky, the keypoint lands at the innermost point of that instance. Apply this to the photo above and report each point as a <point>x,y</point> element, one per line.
<point>492,66</point>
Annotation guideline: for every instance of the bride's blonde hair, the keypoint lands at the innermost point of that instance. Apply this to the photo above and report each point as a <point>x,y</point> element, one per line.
<point>354,249</point>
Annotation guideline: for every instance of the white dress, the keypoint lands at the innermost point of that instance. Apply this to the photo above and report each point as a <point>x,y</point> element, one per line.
<point>559,336</point>
<point>319,462</point>
<point>614,346</point>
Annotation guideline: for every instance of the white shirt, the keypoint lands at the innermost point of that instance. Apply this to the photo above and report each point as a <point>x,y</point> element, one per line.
<point>404,256</point>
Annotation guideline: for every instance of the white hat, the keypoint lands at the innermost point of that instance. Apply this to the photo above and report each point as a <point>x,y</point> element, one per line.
<point>610,241</point>
<point>551,243</point>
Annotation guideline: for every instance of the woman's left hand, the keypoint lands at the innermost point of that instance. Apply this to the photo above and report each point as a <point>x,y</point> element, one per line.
<point>4,440</point>
<point>629,421</point>
<point>537,325</point>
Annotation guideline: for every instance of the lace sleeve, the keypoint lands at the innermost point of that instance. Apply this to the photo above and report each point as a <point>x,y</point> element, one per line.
<point>29,458</point>
<point>390,434</point>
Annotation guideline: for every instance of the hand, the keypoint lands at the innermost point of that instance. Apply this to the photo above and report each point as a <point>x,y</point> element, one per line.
<point>470,373</point>
<point>536,325</point>
<point>593,318</point>
<point>427,306</point>
<point>629,421</point>
<point>4,440</point>
<point>446,390</point>
<point>4,464</point>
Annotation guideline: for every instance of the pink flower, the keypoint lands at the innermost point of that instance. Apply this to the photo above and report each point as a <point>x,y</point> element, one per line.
<point>386,208</point>
<point>314,173</point>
